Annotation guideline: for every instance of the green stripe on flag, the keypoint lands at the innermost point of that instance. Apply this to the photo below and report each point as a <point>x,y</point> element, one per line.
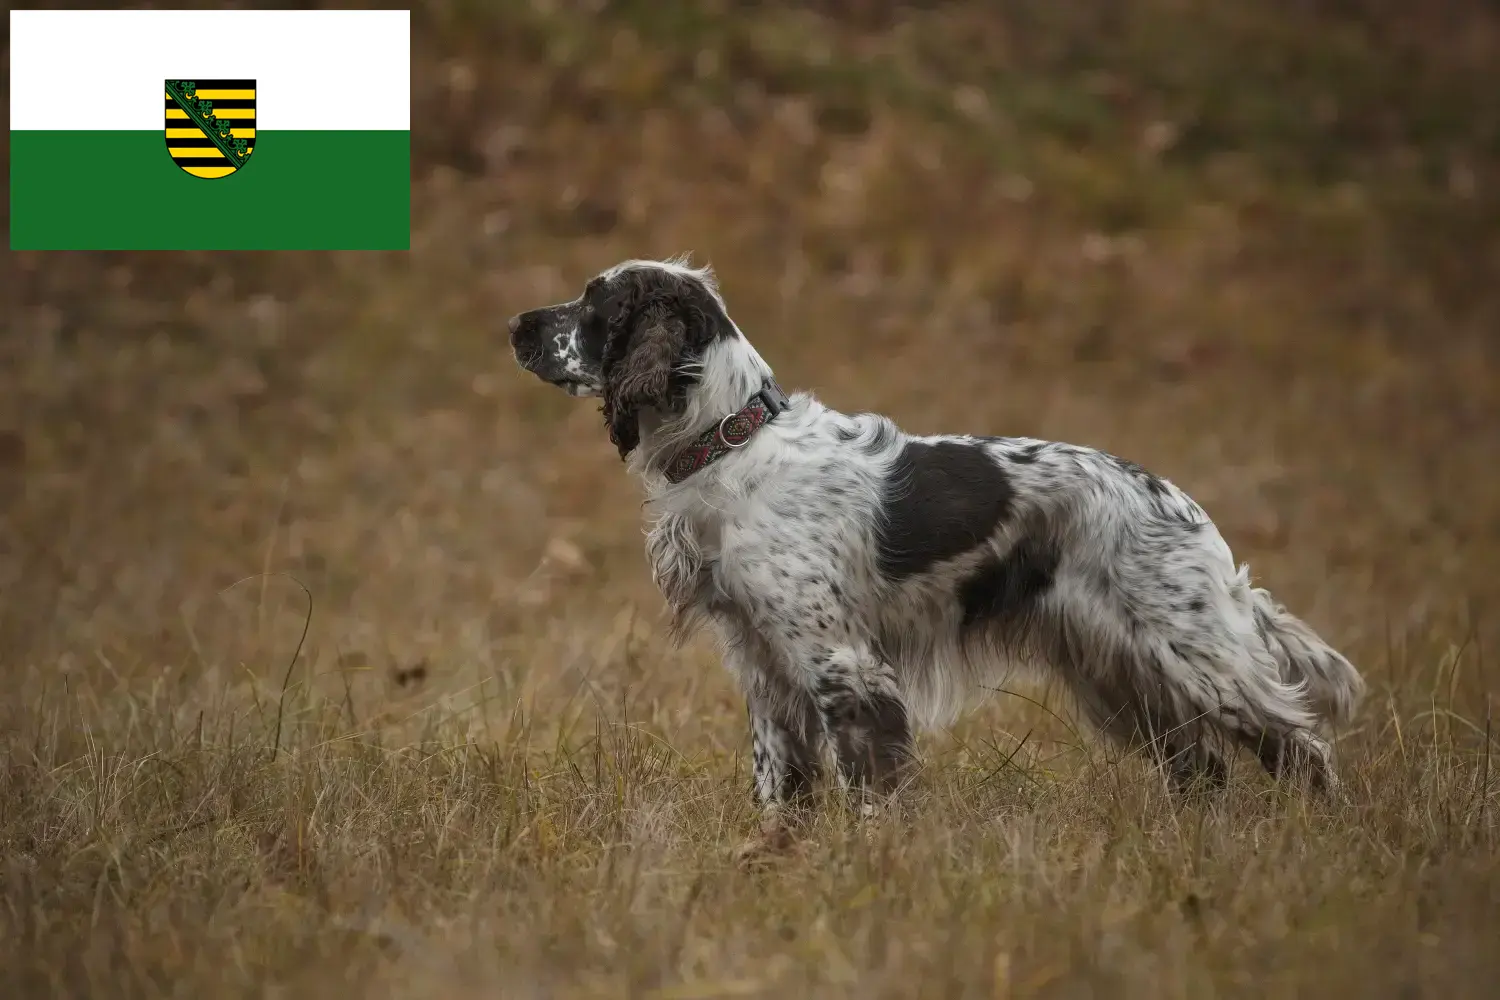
<point>121,191</point>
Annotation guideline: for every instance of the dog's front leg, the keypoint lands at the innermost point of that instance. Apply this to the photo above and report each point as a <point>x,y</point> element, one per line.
<point>786,734</point>
<point>784,738</point>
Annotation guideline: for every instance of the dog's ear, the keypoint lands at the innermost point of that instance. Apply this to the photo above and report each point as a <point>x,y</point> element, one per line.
<point>640,360</point>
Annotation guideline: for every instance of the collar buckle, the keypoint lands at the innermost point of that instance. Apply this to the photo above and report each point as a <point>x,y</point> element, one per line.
<point>770,393</point>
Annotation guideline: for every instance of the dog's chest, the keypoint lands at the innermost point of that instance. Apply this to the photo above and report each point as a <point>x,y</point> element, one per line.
<point>709,547</point>
<point>683,547</point>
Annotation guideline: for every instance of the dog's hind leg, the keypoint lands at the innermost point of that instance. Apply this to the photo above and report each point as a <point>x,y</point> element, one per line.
<point>1183,748</point>
<point>1188,697</point>
<point>865,718</point>
<point>1219,665</point>
<point>1185,695</point>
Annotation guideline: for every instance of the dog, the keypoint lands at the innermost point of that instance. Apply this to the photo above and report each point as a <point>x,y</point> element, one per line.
<point>864,582</point>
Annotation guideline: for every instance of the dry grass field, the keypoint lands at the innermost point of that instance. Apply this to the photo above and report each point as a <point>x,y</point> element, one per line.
<point>1251,244</point>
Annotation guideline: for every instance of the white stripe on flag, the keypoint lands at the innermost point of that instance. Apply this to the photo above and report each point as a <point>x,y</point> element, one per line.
<point>323,70</point>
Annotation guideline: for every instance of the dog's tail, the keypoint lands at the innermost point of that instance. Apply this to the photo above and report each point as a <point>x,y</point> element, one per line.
<point>1333,686</point>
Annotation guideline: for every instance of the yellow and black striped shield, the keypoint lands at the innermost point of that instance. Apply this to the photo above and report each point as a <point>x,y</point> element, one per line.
<point>210,125</point>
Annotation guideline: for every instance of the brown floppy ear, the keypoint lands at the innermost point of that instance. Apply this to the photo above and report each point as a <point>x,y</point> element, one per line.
<point>639,364</point>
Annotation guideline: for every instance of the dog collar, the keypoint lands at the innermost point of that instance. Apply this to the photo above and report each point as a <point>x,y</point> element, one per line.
<point>729,434</point>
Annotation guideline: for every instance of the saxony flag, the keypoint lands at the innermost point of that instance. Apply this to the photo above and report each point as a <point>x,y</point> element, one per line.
<point>210,129</point>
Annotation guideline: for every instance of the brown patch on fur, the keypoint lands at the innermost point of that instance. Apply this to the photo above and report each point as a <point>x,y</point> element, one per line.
<point>642,377</point>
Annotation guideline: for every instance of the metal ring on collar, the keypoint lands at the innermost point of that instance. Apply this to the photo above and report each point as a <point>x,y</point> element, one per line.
<point>724,440</point>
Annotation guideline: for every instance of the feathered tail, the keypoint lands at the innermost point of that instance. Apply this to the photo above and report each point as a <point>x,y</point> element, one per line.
<point>1334,687</point>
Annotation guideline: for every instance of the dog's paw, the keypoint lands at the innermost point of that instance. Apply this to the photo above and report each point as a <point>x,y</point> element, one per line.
<point>775,839</point>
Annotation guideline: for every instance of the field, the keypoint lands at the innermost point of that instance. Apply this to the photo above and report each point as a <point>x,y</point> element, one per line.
<point>332,662</point>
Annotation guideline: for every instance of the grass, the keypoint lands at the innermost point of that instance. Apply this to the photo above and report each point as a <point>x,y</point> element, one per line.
<point>1251,246</point>
<point>161,841</point>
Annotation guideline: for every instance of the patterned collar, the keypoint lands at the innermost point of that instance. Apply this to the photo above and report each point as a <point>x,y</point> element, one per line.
<point>729,434</point>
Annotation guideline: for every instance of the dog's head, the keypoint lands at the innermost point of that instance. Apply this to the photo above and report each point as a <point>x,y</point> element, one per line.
<point>633,338</point>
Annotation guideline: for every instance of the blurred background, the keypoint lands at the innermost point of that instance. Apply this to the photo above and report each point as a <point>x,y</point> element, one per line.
<point>1251,244</point>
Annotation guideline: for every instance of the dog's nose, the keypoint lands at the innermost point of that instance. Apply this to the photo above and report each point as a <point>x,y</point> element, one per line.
<point>514,323</point>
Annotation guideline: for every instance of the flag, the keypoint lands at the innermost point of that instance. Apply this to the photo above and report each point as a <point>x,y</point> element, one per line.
<point>210,130</point>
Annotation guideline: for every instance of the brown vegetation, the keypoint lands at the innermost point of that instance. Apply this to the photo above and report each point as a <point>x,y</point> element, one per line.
<point>1252,245</point>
